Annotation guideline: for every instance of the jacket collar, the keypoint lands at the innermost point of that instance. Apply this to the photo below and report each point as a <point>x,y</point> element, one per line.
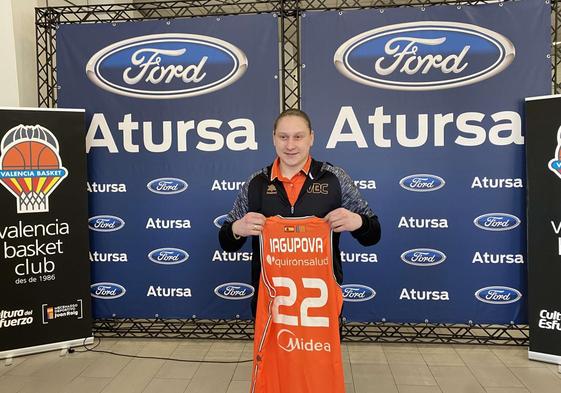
<point>314,172</point>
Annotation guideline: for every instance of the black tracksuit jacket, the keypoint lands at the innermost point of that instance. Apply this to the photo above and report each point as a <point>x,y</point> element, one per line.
<point>326,188</point>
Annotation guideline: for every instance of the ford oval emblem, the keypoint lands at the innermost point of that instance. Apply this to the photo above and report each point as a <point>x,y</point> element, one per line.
<point>497,222</point>
<point>107,290</point>
<point>427,55</point>
<point>219,221</point>
<point>498,295</point>
<point>234,291</point>
<point>422,183</point>
<point>167,185</point>
<point>357,293</point>
<point>105,223</point>
<point>168,256</point>
<point>164,66</point>
<point>423,257</point>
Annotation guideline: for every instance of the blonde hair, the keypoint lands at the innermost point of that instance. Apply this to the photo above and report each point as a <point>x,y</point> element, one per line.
<point>293,112</point>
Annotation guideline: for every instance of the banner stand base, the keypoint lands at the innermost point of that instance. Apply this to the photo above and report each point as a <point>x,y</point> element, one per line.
<point>62,345</point>
<point>545,357</point>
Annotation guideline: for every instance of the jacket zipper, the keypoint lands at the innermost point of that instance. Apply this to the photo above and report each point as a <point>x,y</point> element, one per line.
<point>302,192</point>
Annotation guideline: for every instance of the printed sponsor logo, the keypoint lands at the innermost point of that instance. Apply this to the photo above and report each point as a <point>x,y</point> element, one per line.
<point>168,256</point>
<point>105,223</point>
<point>164,223</point>
<point>226,185</point>
<point>416,294</point>
<point>288,341</point>
<point>550,320</point>
<point>423,257</point>
<point>498,295</point>
<point>52,312</point>
<point>239,256</point>
<point>158,291</point>
<point>357,293</point>
<point>234,291</point>
<point>30,166</point>
<point>426,55</point>
<point>219,221</point>
<point>488,258</point>
<point>11,318</point>
<point>351,257</point>
<point>167,185</point>
<point>422,223</point>
<point>486,182</point>
<point>554,164</point>
<point>107,290</point>
<point>318,188</point>
<point>105,187</point>
<point>497,222</point>
<point>108,257</point>
<point>422,183</point>
<point>296,262</point>
<point>365,184</point>
<point>164,66</point>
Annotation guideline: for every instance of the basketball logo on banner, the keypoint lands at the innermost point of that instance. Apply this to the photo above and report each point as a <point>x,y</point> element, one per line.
<point>30,166</point>
<point>555,163</point>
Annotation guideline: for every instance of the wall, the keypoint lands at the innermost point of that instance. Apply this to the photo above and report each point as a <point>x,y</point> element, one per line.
<point>18,68</point>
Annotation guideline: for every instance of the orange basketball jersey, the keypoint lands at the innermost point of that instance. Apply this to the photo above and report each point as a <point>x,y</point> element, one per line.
<point>296,346</point>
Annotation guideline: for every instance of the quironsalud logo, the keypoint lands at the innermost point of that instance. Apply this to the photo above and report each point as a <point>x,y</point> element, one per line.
<point>30,166</point>
<point>555,163</point>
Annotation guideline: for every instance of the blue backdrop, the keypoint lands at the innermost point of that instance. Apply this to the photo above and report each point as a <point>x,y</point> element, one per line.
<point>164,162</point>
<point>422,107</point>
<point>434,97</point>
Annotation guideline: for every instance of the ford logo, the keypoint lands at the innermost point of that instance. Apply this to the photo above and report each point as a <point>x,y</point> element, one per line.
<point>219,221</point>
<point>357,293</point>
<point>234,291</point>
<point>107,290</point>
<point>498,295</point>
<point>168,256</point>
<point>422,183</point>
<point>423,257</point>
<point>164,66</point>
<point>424,56</point>
<point>167,185</point>
<point>497,222</point>
<point>105,223</point>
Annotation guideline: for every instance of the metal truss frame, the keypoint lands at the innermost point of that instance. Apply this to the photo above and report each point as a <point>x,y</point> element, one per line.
<point>351,331</point>
<point>48,19</point>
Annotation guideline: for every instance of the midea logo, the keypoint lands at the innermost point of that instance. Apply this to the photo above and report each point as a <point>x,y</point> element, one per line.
<point>424,56</point>
<point>164,66</point>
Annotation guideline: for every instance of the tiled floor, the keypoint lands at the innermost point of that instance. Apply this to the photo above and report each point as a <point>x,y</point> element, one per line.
<point>369,368</point>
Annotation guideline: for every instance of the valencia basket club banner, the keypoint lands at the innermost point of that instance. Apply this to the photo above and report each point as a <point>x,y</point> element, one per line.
<point>543,161</point>
<point>178,115</point>
<point>44,266</point>
<point>423,108</point>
